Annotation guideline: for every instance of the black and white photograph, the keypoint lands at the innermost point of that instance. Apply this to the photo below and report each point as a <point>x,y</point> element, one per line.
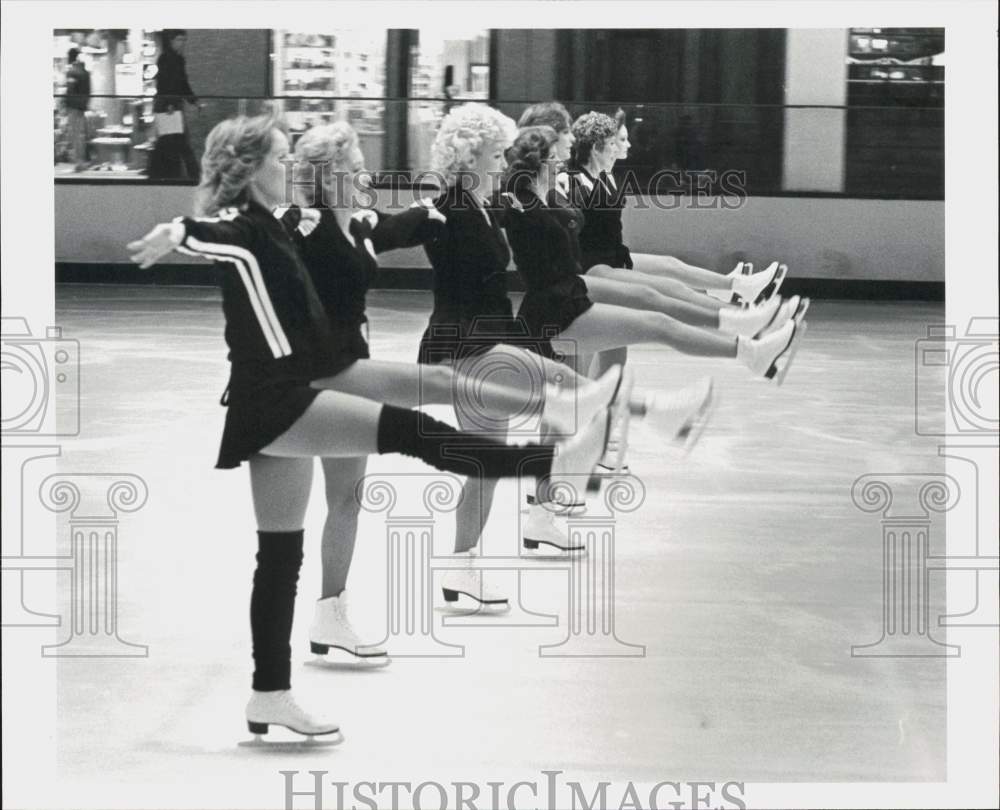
<point>523,404</point>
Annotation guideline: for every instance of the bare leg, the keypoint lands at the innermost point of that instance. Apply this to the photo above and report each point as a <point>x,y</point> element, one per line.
<point>473,509</point>
<point>335,425</point>
<point>670,287</point>
<point>409,385</point>
<point>340,529</point>
<point>637,295</point>
<point>280,488</point>
<point>605,326</point>
<point>672,267</point>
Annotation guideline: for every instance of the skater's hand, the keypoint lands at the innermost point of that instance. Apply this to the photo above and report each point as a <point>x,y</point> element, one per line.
<point>309,221</point>
<point>156,244</point>
<point>433,215</point>
<point>367,216</point>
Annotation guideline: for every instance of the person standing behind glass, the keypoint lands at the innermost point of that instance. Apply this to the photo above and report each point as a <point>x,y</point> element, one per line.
<point>172,157</point>
<point>77,102</point>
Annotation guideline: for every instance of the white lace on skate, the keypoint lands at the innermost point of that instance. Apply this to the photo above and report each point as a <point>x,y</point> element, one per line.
<point>332,628</point>
<point>280,708</point>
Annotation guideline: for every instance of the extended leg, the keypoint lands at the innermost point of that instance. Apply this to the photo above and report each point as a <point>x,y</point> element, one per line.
<point>665,285</point>
<point>671,267</point>
<point>605,326</point>
<point>637,295</point>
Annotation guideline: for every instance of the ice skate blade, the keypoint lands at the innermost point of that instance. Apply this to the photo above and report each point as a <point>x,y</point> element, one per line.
<point>348,662</point>
<point>534,548</point>
<point>307,742</point>
<point>783,362</point>
<point>775,285</point>
<point>323,649</point>
<point>690,434</point>
<point>451,599</point>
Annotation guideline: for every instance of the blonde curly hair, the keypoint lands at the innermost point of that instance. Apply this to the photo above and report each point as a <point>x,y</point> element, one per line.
<point>465,134</point>
<point>324,152</point>
<point>234,150</point>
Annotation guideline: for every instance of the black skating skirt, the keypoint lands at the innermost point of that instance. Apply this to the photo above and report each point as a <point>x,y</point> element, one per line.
<point>262,405</point>
<point>614,257</point>
<point>451,335</point>
<point>545,313</point>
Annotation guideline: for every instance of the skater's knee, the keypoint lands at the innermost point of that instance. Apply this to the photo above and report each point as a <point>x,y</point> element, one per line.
<point>436,384</point>
<point>343,499</point>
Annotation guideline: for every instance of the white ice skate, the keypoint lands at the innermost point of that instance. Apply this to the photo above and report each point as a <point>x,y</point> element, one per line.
<point>614,454</point>
<point>332,630</point>
<point>542,537</point>
<point>760,286</point>
<point>750,321</point>
<point>465,587</point>
<point>580,455</point>
<point>790,308</point>
<point>729,294</point>
<point>683,414</point>
<point>771,356</point>
<point>565,411</point>
<point>562,505</point>
<point>267,709</point>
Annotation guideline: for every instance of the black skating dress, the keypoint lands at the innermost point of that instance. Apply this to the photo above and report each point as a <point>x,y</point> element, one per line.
<point>601,203</point>
<point>277,331</point>
<point>543,240</point>
<point>472,312</point>
<point>342,272</point>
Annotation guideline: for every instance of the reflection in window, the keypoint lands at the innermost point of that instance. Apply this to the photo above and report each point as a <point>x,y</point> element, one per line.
<point>336,75</point>
<point>114,133</point>
<point>447,67</point>
<point>895,116</point>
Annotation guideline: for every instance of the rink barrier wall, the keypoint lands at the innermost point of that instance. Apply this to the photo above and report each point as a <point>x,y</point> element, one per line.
<point>834,246</point>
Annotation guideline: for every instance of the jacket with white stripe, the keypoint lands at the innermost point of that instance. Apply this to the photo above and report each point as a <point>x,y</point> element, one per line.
<point>275,323</point>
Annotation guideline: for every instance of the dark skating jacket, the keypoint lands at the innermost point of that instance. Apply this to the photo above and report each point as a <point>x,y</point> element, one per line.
<point>341,272</point>
<point>543,239</point>
<point>601,204</point>
<point>469,257</point>
<point>276,326</point>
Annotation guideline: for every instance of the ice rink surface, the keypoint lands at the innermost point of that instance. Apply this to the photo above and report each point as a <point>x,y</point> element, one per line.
<point>747,573</point>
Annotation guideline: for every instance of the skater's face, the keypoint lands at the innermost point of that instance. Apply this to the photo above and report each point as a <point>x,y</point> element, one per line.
<point>178,43</point>
<point>623,143</point>
<point>490,165</point>
<point>562,146</point>
<point>268,184</point>
<point>607,154</point>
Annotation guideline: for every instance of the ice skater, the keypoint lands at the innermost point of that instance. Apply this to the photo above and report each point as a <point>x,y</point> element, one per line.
<point>339,241</point>
<point>277,420</point>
